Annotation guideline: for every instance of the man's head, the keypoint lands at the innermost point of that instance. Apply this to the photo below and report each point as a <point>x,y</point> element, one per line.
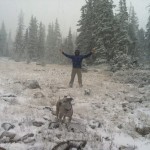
<point>77,52</point>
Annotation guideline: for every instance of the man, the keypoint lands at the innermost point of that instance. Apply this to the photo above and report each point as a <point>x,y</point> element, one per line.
<point>76,65</point>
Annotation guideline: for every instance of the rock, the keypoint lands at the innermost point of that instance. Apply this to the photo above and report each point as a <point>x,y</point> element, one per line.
<point>9,95</point>
<point>141,85</point>
<point>25,137</point>
<point>41,63</point>
<point>36,148</point>
<point>1,148</point>
<point>54,125</point>
<point>38,95</point>
<point>76,127</point>
<point>37,123</point>
<point>94,124</point>
<point>8,134</point>
<point>143,131</point>
<point>87,92</point>
<point>70,144</point>
<point>124,109</point>
<point>132,99</point>
<point>107,138</point>
<point>141,92</point>
<point>58,136</point>
<point>120,126</point>
<point>10,100</point>
<point>124,105</point>
<point>49,108</point>
<point>7,126</point>
<point>28,138</point>
<point>127,147</point>
<point>32,84</point>
<point>46,118</point>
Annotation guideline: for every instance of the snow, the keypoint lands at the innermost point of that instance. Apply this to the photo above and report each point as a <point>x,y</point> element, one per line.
<point>103,105</point>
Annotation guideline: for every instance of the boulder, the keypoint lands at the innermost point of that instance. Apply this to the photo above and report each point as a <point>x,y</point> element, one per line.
<point>7,126</point>
<point>1,148</point>
<point>37,123</point>
<point>32,84</point>
<point>54,125</point>
<point>143,131</point>
<point>38,95</point>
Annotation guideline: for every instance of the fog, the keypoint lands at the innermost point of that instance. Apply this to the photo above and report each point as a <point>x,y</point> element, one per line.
<point>67,12</point>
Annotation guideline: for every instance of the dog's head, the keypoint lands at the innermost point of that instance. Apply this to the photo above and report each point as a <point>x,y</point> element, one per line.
<point>66,102</point>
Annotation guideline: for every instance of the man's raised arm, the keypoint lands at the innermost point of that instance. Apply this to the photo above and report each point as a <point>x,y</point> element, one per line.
<point>69,56</point>
<point>90,53</point>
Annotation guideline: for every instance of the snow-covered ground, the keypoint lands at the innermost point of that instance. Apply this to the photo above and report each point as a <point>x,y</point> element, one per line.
<point>107,118</point>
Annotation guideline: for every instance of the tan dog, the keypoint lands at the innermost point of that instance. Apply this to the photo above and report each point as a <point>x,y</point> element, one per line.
<point>64,109</point>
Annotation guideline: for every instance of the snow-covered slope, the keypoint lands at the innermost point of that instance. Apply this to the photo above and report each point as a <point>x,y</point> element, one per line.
<point>110,118</point>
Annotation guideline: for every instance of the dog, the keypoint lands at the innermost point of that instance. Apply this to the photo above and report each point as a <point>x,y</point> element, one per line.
<point>64,109</point>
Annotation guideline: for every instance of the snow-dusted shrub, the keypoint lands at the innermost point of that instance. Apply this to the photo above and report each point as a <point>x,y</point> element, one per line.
<point>122,61</point>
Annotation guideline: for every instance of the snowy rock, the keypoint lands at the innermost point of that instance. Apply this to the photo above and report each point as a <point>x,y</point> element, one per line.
<point>120,126</point>
<point>36,148</point>
<point>54,125</point>
<point>76,127</point>
<point>143,131</point>
<point>7,126</point>
<point>28,138</point>
<point>125,109</point>
<point>141,92</point>
<point>58,136</point>
<point>127,148</point>
<point>9,95</point>
<point>37,123</point>
<point>131,99</point>
<point>40,63</point>
<point>70,145</point>
<point>87,92</point>
<point>25,137</point>
<point>38,95</point>
<point>124,105</point>
<point>94,124</point>
<point>1,148</point>
<point>10,100</point>
<point>32,84</point>
<point>48,108</point>
<point>10,135</point>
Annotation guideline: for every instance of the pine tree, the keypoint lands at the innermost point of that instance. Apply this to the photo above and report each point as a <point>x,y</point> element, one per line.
<point>123,39</point>
<point>104,32</point>
<point>68,46</point>
<point>85,40</point>
<point>97,29</point>
<point>57,43</point>
<point>141,47</point>
<point>50,41</point>
<point>18,44</point>
<point>57,34</point>
<point>3,41</point>
<point>26,42</point>
<point>132,32</point>
<point>33,39</point>
<point>70,42</point>
<point>10,45</point>
<point>148,39</point>
<point>41,43</point>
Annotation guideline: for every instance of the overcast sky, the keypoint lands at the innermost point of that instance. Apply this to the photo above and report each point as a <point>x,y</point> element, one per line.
<point>67,12</point>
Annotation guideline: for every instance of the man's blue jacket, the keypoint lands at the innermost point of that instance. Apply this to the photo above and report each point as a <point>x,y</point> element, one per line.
<point>77,60</point>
